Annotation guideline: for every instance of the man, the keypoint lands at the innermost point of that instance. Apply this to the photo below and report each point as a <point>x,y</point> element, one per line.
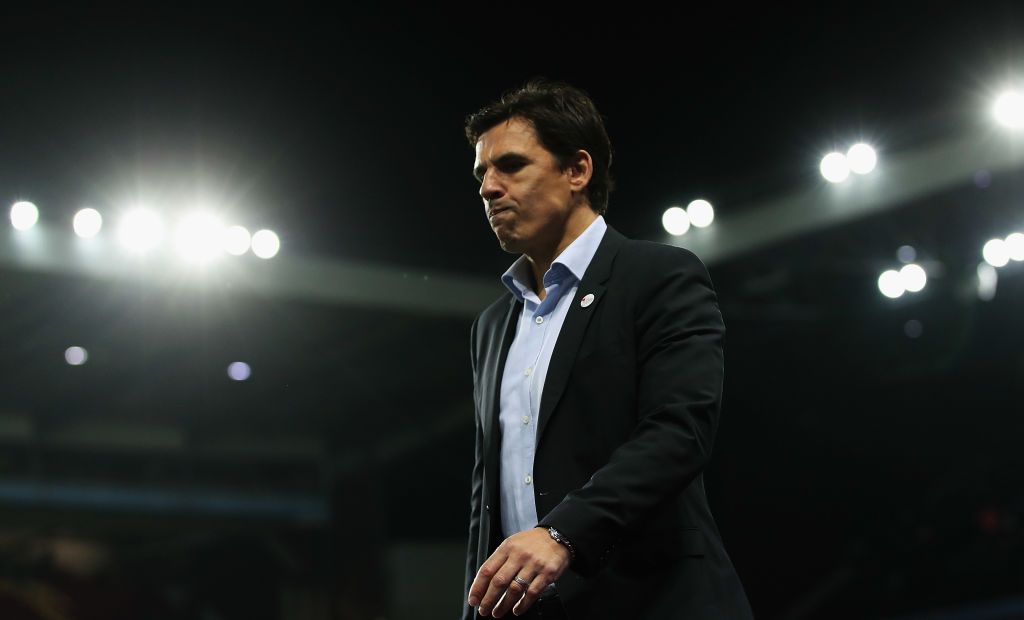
<point>597,385</point>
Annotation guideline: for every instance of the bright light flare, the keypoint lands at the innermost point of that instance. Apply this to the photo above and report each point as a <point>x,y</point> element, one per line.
<point>1009,109</point>
<point>76,356</point>
<point>87,223</point>
<point>199,238</point>
<point>700,213</point>
<point>913,277</point>
<point>835,168</point>
<point>861,158</point>
<point>265,244</point>
<point>675,221</point>
<point>239,371</point>
<point>996,253</point>
<point>237,240</point>
<point>140,230</point>
<point>891,284</point>
<point>988,279</point>
<point>1015,246</point>
<point>24,215</point>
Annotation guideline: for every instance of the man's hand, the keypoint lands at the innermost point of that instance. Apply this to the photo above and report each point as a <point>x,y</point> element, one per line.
<point>534,557</point>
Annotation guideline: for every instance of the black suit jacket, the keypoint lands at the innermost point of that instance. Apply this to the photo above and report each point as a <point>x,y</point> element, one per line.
<point>626,423</point>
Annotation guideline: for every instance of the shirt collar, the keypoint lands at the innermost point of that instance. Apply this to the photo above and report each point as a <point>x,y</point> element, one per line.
<point>573,261</point>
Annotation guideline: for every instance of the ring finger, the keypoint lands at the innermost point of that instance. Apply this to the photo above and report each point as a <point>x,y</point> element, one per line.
<point>515,591</point>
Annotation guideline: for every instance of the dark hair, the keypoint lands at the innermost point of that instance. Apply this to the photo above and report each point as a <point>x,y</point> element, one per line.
<point>565,119</point>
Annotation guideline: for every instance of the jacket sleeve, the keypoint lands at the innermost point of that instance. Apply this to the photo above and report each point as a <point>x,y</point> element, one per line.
<point>477,485</point>
<point>680,370</point>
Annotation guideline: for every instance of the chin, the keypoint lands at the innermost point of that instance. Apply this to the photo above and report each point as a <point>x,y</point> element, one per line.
<point>509,244</point>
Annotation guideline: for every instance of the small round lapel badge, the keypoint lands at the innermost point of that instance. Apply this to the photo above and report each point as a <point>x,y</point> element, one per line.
<point>587,300</point>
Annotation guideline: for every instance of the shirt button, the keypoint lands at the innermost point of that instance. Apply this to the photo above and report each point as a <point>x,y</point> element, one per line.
<point>539,320</point>
<point>529,480</point>
<point>528,372</point>
<point>526,419</point>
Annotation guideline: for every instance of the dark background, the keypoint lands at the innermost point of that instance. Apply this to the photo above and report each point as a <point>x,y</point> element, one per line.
<point>859,473</point>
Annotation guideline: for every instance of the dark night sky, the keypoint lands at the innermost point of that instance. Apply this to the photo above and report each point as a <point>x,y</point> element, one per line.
<point>343,132</point>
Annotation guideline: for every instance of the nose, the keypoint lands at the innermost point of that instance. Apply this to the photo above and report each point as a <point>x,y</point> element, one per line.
<point>490,188</point>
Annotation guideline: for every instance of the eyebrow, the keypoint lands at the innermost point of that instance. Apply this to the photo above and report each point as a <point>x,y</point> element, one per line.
<point>504,158</point>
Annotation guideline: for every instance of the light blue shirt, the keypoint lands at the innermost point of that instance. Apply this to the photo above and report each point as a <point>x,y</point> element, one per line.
<point>527,366</point>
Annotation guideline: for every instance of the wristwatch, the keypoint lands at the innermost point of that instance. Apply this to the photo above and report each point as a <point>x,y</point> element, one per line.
<point>562,540</point>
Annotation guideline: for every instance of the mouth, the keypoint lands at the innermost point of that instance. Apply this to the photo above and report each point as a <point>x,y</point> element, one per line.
<point>495,211</point>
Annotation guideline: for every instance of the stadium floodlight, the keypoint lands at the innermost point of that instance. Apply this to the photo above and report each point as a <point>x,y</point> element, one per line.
<point>1009,109</point>
<point>891,284</point>
<point>199,237</point>
<point>996,253</point>
<point>140,230</point>
<point>24,215</point>
<point>861,158</point>
<point>237,240</point>
<point>913,277</point>
<point>76,356</point>
<point>834,167</point>
<point>239,371</point>
<point>675,221</point>
<point>1015,246</point>
<point>265,243</point>
<point>87,223</point>
<point>700,213</point>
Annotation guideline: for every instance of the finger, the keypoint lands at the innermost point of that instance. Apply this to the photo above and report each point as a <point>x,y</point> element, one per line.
<point>484,576</point>
<point>537,585</point>
<point>514,593</point>
<point>498,587</point>
<point>505,596</point>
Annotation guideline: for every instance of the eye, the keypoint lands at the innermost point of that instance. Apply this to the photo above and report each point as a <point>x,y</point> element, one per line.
<point>512,166</point>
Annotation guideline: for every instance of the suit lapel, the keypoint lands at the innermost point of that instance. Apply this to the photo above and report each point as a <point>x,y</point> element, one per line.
<point>495,369</point>
<point>575,326</point>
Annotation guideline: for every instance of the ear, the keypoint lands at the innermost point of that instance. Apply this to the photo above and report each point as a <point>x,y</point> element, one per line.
<point>579,169</point>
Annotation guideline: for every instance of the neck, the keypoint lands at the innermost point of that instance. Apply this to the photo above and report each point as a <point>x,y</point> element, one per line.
<point>541,258</point>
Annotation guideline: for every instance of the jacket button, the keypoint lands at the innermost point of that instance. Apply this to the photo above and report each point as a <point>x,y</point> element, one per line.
<point>487,506</point>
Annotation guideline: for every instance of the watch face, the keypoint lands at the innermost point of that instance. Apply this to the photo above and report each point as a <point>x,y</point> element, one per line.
<point>562,540</point>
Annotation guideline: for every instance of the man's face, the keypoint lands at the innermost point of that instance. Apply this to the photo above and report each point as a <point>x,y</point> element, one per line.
<point>527,197</point>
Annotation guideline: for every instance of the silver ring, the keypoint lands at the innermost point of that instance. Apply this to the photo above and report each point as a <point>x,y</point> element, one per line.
<point>522,582</point>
